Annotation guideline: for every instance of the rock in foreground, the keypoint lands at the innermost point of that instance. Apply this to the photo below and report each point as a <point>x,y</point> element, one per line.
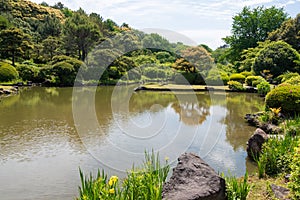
<point>193,179</point>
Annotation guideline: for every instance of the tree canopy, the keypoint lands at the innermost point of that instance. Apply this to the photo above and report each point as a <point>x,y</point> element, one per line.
<point>251,26</point>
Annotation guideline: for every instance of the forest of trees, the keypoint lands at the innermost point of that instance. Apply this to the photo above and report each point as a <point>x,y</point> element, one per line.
<point>49,44</point>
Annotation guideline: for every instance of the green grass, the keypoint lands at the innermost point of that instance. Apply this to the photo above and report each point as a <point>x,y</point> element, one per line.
<point>145,182</point>
<point>237,189</point>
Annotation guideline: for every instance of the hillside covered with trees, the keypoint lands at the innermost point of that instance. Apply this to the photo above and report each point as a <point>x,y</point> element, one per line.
<point>48,44</point>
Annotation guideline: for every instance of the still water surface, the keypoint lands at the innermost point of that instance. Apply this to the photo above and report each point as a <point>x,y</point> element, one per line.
<point>44,139</point>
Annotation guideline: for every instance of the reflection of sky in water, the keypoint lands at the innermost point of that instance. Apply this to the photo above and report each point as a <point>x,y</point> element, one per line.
<point>41,150</point>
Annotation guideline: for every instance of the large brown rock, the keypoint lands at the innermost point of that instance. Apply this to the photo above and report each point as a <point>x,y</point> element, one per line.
<point>193,179</point>
<point>254,144</point>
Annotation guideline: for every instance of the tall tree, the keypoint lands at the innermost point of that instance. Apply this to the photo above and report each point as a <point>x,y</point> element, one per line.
<point>252,26</point>
<point>288,32</point>
<point>51,26</point>
<point>80,32</point>
<point>14,42</point>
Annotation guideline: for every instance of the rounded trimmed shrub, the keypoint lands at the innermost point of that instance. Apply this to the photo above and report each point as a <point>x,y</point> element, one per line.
<point>7,72</point>
<point>286,97</point>
<point>263,88</point>
<point>246,73</point>
<point>250,79</point>
<point>235,85</point>
<point>237,77</point>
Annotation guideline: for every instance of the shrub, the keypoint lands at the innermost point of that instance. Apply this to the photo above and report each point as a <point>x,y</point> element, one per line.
<point>216,77</point>
<point>246,74</point>
<point>237,77</point>
<point>236,86</point>
<point>286,97</point>
<point>29,72</point>
<point>285,76</point>
<point>7,72</point>
<point>276,156</point>
<point>295,80</point>
<point>263,88</point>
<point>191,78</point>
<point>250,79</point>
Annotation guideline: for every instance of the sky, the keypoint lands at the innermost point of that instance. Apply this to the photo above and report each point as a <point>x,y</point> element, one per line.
<point>190,21</point>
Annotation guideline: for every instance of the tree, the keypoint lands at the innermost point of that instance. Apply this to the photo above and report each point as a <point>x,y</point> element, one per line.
<point>13,42</point>
<point>80,33</point>
<point>51,47</point>
<point>252,26</point>
<point>277,58</point>
<point>289,32</point>
<point>4,24</point>
<point>50,27</point>
<point>199,58</point>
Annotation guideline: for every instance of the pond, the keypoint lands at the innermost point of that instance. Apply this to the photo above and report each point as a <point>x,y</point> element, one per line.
<point>46,134</point>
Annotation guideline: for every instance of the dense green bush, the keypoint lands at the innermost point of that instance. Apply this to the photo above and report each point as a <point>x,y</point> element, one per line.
<point>216,77</point>
<point>285,76</point>
<point>29,72</point>
<point>7,72</point>
<point>237,77</point>
<point>263,88</point>
<point>246,73</point>
<point>295,80</point>
<point>65,74</point>
<point>236,86</point>
<point>191,78</point>
<point>286,97</point>
<point>277,57</point>
<point>250,79</point>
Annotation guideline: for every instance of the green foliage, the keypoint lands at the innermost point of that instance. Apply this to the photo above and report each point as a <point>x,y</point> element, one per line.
<point>216,77</point>
<point>237,77</point>
<point>277,57</point>
<point>285,76</point>
<point>189,78</point>
<point>199,58</point>
<point>250,79</point>
<point>277,155</point>
<point>246,73</point>
<point>295,80</point>
<point>289,32</point>
<point>235,86</point>
<point>251,26</point>
<point>292,126</point>
<point>29,71</point>
<point>294,183</point>
<point>141,183</point>
<point>14,42</point>
<point>263,88</point>
<point>7,72</point>
<point>237,189</point>
<point>286,97</point>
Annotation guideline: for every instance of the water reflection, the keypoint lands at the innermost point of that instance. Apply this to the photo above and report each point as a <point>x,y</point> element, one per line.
<point>38,138</point>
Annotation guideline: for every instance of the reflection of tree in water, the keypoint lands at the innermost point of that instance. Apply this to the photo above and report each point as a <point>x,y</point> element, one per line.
<point>238,105</point>
<point>142,101</point>
<point>193,112</point>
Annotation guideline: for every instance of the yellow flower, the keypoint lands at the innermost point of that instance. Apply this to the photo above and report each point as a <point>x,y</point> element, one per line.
<point>112,180</point>
<point>166,158</point>
<point>111,191</point>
